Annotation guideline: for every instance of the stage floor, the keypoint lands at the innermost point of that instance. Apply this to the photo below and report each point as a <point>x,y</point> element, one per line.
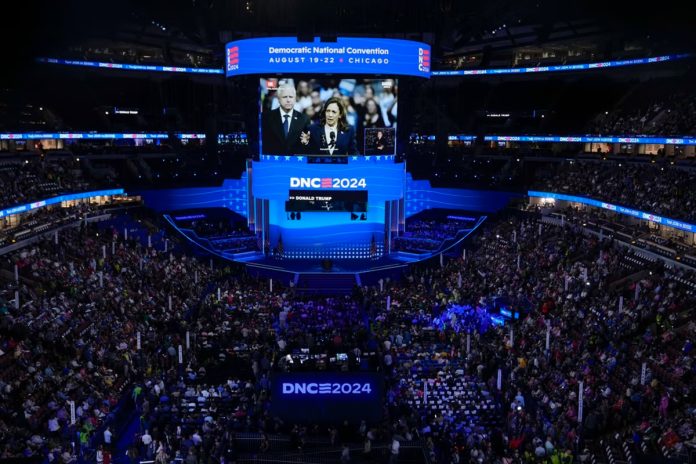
<point>338,266</point>
<point>332,273</point>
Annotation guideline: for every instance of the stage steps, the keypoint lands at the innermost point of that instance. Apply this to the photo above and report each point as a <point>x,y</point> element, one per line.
<point>325,283</point>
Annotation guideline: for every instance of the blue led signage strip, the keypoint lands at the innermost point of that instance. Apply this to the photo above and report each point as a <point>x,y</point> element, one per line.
<point>591,139</point>
<point>59,199</point>
<point>131,67</point>
<point>466,72</point>
<point>616,208</point>
<point>92,136</point>
<point>563,67</point>
<point>488,138</point>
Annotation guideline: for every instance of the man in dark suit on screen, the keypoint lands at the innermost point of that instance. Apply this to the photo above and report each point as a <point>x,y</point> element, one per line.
<point>281,128</point>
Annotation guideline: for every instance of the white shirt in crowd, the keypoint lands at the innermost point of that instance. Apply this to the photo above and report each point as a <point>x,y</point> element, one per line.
<point>395,447</point>
<point>53,425</point>
<point>107,436</point>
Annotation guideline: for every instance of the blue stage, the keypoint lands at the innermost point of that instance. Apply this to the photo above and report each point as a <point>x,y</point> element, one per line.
<point>320,234</point>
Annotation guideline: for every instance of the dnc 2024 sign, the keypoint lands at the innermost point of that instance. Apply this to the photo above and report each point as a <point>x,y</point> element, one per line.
<point>273,55</point>
<point>327,397</point>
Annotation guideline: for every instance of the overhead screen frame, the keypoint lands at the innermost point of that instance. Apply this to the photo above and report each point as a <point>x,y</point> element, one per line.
<point>345,56</point>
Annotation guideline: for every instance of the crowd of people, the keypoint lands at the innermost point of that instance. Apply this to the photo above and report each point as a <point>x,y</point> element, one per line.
<point>422,235</point>
<point>43,220</point>
<point>83,166</point>
<point>69,334</point>
<point>121,318</point>
<point>25,181</point>
<point>153,55</point>
<point>435,229</point>
<point>662,190</point>
<point>671,116</point>
<point>458,167</point>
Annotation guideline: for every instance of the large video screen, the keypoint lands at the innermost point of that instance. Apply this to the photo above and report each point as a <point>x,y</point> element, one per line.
<point>328,117</point>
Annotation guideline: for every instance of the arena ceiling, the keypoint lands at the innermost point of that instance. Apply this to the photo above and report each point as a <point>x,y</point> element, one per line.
<point>44,27</point>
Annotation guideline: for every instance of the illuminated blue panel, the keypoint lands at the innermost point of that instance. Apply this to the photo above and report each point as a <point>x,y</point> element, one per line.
<point>461,137</point>
<point>95,136</point>
<point>466,72</point>
<point>59,199</point>
<point>348,55</point>
<point>232,194</point>
<point>582,139</point>
<point>335,233</point>
<point>676,224</point>
<point>131,67</point>
<point>420,196</point>
<point>563,67</point>
<point>326,397</point>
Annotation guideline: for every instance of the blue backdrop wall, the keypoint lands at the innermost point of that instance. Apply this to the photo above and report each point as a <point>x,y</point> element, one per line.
<point>420,196</point>
<point>272,181</point>
<point>231,194</point>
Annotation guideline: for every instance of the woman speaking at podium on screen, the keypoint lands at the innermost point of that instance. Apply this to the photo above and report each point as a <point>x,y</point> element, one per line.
<point>333,136</point>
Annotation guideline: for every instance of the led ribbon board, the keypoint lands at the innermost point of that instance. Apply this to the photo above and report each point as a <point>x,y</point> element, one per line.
<point>131,67</point>
<point>348,55</point>
<point>424,58</point>
<point>59,199</point>
<point>674,223</point>
<point>563,67</point>
<point>94,136</point>
<point>592,139</point>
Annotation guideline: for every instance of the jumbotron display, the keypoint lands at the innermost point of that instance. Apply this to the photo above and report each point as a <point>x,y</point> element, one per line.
<point>345,55</point>
<point>328,117</point>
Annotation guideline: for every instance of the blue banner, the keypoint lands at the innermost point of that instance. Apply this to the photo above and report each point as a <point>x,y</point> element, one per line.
<point>379,176</point>
<point>662,140</point>
<point>348,55</point>
<point>592,139</point>
<point>674,223</point>
<point>131,67</point>
<point>422,52</point>
<point>59,199</point>
<point>562,67</point>
<point>95,136</point>
<point>421,196</point>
